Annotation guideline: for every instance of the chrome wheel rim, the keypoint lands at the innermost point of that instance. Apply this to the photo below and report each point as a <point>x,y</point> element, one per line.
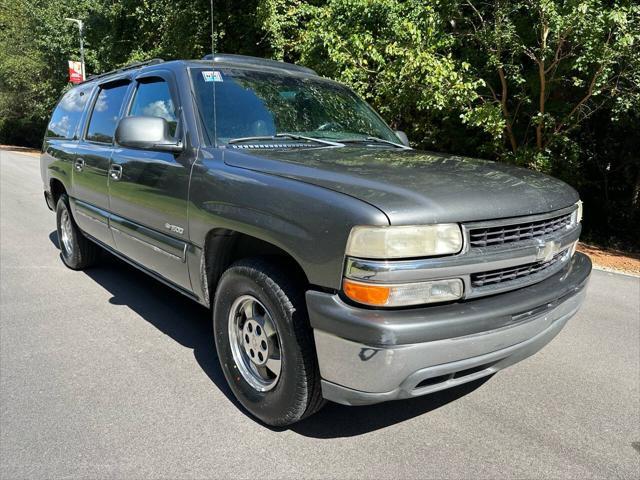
<point>65,232</point>
<point>255,344</point>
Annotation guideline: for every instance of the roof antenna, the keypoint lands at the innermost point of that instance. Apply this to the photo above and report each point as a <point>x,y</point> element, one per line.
<point>214,41</point>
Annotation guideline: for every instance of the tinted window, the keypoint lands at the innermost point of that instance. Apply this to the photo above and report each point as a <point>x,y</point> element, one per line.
<point>252,103</point>
<point>152,99</point>
<point>106,113</point>
<point>67,114</point>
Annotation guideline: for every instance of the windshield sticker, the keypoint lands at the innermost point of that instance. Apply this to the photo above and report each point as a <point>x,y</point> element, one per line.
<point>212,76</point>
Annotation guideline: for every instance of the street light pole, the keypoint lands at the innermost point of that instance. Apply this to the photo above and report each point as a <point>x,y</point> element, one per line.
<point>80,32</point>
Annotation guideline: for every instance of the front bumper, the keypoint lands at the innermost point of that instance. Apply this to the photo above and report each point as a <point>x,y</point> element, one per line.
<point>371,356</point>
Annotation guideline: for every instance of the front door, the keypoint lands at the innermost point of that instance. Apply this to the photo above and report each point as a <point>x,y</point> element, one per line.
<point>92,162</point>
<point>148,191</point>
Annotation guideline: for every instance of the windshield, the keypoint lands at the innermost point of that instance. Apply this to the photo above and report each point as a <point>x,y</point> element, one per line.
<point>257,104</point>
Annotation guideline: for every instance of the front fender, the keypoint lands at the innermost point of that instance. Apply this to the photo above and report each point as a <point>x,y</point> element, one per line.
<point>308,222</point>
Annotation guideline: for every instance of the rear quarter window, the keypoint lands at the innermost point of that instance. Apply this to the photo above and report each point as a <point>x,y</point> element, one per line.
<point>67,114</point>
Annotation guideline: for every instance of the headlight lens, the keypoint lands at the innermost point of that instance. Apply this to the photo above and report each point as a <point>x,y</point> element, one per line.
<point>579,212</point>
<point>576,216</point>
<point>404,241</point>
<point>405,294</point>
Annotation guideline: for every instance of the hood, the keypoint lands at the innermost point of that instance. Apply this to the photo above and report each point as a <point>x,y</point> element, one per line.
<point>414,187</point>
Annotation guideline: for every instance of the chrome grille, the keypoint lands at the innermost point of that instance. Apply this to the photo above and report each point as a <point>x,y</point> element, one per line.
<point>493,277</point>
<point>500,235</point>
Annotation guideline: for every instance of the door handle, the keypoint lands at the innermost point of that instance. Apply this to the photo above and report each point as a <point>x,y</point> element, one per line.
<point>115,172</point>
<point>79,164</point>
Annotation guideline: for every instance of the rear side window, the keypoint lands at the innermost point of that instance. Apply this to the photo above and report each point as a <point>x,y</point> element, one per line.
<point>106,112</point>
<point>68,112</point>
<point>153,99</point>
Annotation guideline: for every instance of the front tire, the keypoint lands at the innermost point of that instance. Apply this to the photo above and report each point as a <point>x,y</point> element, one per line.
<point>265,344</point>
<point>76,250</point>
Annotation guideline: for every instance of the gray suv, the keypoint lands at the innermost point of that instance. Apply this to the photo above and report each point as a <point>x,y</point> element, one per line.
<point>338,262</point>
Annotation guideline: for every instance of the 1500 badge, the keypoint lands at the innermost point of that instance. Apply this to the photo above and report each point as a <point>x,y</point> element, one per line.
<point>174,228</point>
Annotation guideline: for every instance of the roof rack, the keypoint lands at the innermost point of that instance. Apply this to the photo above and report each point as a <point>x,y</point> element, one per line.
<point>258,62</point>
<point>130,66</point>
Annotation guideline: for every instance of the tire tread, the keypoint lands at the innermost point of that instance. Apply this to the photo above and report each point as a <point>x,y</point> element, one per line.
<point>282,282</point>
<point>86,252</point>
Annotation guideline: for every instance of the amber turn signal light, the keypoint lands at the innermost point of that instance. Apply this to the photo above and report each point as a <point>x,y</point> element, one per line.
<point>367,294</point>
<point>403,294</point>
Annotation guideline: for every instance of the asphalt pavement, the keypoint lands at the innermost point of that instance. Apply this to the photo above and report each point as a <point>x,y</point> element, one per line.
<point>109,374</point>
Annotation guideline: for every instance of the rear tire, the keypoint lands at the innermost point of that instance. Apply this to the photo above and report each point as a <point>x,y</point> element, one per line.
<point>260,317</point>
<point>76,250</point>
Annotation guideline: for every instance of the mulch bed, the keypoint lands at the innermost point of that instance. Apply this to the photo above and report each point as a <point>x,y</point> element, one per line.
<point>611,259</point>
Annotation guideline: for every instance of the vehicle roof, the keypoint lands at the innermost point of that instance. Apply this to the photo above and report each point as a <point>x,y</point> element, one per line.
<point>256,62</point>
<point>220,60</point>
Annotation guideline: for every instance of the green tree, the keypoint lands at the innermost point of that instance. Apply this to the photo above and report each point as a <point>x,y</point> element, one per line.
<point>37,43</point>
<point>533,82</point>
<point>550,84</point>
<point>398,55</point>
<point>550,65</point>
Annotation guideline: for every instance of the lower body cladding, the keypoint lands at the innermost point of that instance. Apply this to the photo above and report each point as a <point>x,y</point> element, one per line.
<point>371,356</point>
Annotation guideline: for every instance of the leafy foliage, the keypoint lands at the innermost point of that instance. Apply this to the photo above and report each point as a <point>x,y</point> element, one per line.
<point>395,54</point>
<point>553,85</point>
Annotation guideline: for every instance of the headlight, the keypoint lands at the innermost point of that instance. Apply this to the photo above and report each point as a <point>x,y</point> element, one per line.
<point>404,241</point>
<point>404,294</point>
<point>577,215</point>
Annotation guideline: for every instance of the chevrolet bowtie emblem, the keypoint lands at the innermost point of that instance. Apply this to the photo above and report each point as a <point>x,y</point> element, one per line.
<point>548,250</point>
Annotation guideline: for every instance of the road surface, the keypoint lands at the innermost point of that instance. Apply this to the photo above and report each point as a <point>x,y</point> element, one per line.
<point>107,373</point>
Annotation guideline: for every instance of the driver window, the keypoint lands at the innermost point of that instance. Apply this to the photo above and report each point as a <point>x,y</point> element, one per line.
<point>153,99</point>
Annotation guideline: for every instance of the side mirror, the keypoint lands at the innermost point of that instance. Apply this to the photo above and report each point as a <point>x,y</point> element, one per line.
<point>148,133</point>
<point>403,138</point>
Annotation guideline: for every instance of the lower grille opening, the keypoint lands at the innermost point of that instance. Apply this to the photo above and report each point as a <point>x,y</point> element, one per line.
<point>470,371</point>
<point>428,382</point>
<point>433,380</point>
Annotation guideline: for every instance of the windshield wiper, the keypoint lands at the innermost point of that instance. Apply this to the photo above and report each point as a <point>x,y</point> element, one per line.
<point>376,140</point>
<point>293,136</point>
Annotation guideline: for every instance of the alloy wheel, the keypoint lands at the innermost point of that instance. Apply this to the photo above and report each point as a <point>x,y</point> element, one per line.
<point>66,232</point>
<point>255,343</point>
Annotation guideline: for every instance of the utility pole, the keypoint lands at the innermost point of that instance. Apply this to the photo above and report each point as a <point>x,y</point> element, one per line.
<point>80,32</point>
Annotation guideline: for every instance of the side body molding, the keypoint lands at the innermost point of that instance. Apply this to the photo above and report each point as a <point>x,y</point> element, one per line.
<point>155,241</point>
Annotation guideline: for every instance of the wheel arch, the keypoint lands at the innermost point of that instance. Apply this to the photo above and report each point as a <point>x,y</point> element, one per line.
<point>223,247</point>
<point>57,188</point>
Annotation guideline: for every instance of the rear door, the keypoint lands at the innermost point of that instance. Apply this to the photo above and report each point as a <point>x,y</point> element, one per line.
<point>148,195</point>
<point>62,134</point>
<point>92,161</point>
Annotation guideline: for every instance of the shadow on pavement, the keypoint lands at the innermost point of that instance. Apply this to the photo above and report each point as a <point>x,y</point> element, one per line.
<point>189,324</point>
<point>335,421</point>
<point>53,236</point>
<point>175,315</point>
